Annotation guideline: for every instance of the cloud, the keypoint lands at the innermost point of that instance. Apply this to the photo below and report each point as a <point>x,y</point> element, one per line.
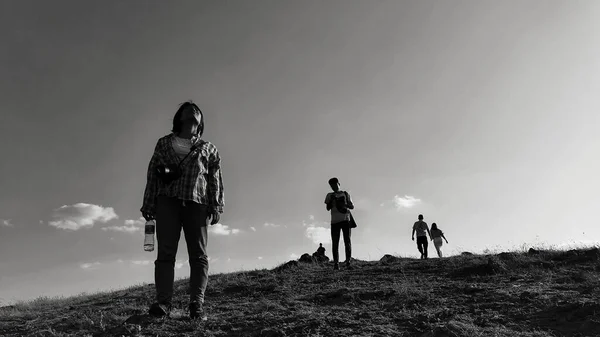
<point>253,229</point>
<point>404,202</point>
<point>90,266</point>
<point>141,262</point>
<point>124,229</point>
<point>317,232</point>
<point>294,256</point>
<point>260,257</point>
<point>139,222</point>
<point>268,224</point>
<point>220,229</point>
<point>179,264</point>
<point>81,215</point>
<point>7,223</point>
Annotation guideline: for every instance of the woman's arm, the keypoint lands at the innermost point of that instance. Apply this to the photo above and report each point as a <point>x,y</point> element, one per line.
<point>215,195</point>
<point>151,191</point>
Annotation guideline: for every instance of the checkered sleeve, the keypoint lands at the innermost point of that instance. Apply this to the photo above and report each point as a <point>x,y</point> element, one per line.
<point>151,191</point>
<point>215,182</point>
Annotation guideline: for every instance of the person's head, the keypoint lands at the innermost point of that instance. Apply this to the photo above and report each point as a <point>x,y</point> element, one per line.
<point>420,216</point>
<point>188,113</point>
<point>434,226</point>
<point>334,183</point>
<point>320,245</point>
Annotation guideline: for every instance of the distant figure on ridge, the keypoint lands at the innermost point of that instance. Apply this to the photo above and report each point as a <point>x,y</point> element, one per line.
<point>184,189</point>
<point>319,255</point>
<point>422,230</point>
<point>321,249</point>
<point>339,203</point>
<point>436,237</point>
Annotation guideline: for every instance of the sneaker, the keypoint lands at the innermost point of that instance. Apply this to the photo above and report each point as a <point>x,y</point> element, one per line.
<point>159,310</point>
<point>347,263</point>
<point>197,311</point>
<point>336,266</point>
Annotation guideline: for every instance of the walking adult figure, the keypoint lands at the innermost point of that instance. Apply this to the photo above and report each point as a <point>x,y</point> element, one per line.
<point>339,203</point>
<point>421,228</point>
<point>436,237</point>
<point>184,190</point>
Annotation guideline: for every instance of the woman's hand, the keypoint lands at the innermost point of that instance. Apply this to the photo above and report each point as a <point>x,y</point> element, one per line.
<point>215,216</point>
<point>148,216</point>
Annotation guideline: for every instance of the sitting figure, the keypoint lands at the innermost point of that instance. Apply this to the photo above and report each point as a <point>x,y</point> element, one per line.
<point>319,255</point>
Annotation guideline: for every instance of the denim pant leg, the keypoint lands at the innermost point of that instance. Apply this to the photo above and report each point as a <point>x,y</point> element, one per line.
<point>335,241</point>
<point>168,231</point>
<point>195,230</point>
<point>346,230</point>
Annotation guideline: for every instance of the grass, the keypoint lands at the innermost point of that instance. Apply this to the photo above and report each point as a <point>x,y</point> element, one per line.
<point>525,293</point>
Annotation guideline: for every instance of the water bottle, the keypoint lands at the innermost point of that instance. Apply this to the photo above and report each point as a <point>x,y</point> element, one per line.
<point>149,229</point>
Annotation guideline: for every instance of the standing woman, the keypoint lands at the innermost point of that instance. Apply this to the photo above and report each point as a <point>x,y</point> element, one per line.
<point>184,190</point>
<point>436,237</point>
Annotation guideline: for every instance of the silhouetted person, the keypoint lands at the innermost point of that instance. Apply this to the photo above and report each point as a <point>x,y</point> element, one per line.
<point>339,203</point>
<point>421,228</point>
<point>436,237</point>
<point>188,196</point>
<point>321,250</point>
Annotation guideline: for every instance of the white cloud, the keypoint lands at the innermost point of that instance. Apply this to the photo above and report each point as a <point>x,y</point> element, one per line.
<point>139,222</point>
<point>141,262</point>
<point>317,233</point>
<point>178,264</point>
<point>7,223</point>
<point>90,266</point>
<point>260,257</point>
<point>228,259</point>
<point>253,229</point>
<point>405,202</point>
<point>123,229</point>
<point>131,226</point>
<point>311,217</point>
<point>268,224</point>
<point>294,256</point>
<point>220,229</point>
<point>81,215</point>
<point>120,261</point>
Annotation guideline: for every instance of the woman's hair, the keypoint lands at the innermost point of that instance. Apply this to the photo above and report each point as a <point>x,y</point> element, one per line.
<point>434,226</point>
<point>177,118</point>
<point>333,181</point>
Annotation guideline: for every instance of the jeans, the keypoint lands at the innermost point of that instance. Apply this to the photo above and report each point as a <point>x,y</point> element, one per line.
<point>344,227</point>
<point>422,245</point>
<point>171,216</point>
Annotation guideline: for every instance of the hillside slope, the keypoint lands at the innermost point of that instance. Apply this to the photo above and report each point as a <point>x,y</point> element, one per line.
<point>538,293</point>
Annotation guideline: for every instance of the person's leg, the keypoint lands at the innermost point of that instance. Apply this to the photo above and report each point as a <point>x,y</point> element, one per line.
<point>168,231</point>
<point>437,242</point>
<point>425,243</point>
<point>346,231</point>
<point>420,245</point>
<point>335,241</point>
<point>195,230</point>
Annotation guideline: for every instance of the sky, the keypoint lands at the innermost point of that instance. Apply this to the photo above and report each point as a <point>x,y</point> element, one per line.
<point>480,115</point>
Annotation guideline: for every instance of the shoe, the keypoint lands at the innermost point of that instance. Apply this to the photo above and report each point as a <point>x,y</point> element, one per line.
<point>347,264</point>
<point>197,311</point>
<point>159,310</point>
<point>336,266</point>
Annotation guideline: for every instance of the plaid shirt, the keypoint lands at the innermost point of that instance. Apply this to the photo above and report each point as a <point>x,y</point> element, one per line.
<point>201,180</point>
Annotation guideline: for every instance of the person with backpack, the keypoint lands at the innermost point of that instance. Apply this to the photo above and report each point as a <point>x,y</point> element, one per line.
<point>421,228</point>
<point>340,204</point>
<point>436,237</point>
<point>184,190</point>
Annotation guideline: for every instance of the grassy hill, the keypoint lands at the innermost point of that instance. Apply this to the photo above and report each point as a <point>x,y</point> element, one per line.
<point>535,293</point>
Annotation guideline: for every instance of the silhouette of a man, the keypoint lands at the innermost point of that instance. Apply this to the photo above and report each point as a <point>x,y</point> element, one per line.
<point>321,250</point>
<point>421,228</point>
